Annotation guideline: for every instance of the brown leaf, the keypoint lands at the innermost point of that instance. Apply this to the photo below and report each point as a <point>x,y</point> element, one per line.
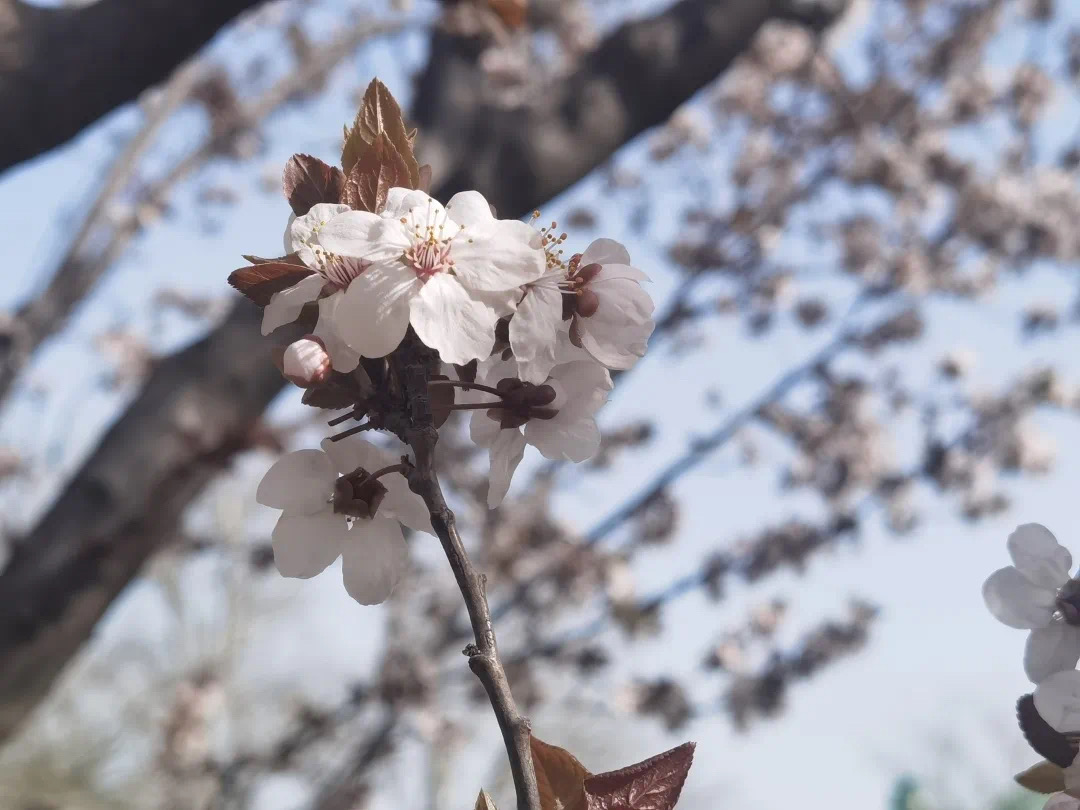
<point>378,170</point>
<point>335,394</point>
<point>511,12</point>
<point>1045,777</point>
<point>308,181</point>
<point>425,178</point>
<point>654,784</point>
<point>260,281</point>
<point>292,258</point>
<point>379,114</point>
<point>442,401</point>
<point>484,801</point>
<point>559,776</point>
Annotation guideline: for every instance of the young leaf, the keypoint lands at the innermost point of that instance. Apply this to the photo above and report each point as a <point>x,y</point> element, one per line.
<point>1045,777</point>
<point>1047,741</point>
<point>334,394</point>
<point>378,170</point>
<point>379,114</point>
<point>484,802</point>
<point>559,776</point>
<point>291,258</point>
<point>511,12</point>
<point>654,784</point>
<point>308,181</point>
<point>260,281</point>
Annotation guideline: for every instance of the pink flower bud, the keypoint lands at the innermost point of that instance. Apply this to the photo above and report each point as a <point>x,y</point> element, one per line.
<point>306,362</point>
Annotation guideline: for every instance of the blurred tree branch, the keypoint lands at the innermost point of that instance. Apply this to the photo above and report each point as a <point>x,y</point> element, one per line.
<point>134,487</point>
<point>61,69</point>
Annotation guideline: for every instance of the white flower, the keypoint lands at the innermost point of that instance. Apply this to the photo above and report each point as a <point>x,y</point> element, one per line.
<point>302,237</point>
<point>324,516</point>
<point>600,294</point>
<point>1028,595</point>
<point>450,272</point>
<point>557,416</point>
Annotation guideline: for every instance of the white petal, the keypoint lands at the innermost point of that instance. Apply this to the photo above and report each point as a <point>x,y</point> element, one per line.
<point>1057,699</point>
<point>1015,601</point>
<point>502,256</point>
<point>534,332</point>
<point>285,306</point>
<point>605,251</point>
<point>288,243</point>
<point>1051,649</point>
<point>304,545</point>
<point>400,201</point>
<point>581,386</point>
<point>617,334</point>
<point>483,430</point>
<point>305,230</point>
<point>619,272</point>
<point>374,560</point>
<point>564,439</point>
<point>364,235</point>
<point>342,357</point>
<point>404,504</point>
<point>505,454</point>
<point>492,369</point>
<point>300,483</point>
<point>373,315</point>
<point>1038,555</point>
<point>469,208</point>
<point>353,451</point>
<point>452,322</point>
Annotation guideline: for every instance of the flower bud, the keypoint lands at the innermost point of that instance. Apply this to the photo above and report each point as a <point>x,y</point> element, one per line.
<point>306,362</point>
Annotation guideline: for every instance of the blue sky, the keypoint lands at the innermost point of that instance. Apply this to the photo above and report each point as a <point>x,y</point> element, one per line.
<point>938,667</point>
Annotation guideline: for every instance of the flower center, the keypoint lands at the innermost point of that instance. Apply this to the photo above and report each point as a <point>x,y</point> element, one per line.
<point>430,251</point>
<point>428,257</point>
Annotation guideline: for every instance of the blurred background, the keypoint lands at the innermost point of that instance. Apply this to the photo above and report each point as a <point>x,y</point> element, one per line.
<point>861,222</point>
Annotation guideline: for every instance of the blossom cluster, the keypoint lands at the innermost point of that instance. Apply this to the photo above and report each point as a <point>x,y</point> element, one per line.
<point>526,339</point>
<point>1038,593</point>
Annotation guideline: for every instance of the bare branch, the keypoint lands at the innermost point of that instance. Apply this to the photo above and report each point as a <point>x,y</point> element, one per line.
<point>483,653</point>
<point>63,68</point>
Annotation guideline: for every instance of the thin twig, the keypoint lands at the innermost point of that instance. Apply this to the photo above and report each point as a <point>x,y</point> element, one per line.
<point>483,653</point>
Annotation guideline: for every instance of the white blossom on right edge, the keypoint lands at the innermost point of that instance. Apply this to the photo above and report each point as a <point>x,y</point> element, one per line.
<point>556,417</point>
<point>1037,593</point>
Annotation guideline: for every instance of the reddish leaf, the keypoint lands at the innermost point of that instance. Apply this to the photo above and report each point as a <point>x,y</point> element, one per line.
<point>260,281</point>
<point>292,258</point>
<point>308,181</point>
<point>511,12</point>
<point>380,114</point>
<point>559,777</point>
<point>378,170</point>
<point>654,784</point>
<point>424,183</point>
<point>333,395</point>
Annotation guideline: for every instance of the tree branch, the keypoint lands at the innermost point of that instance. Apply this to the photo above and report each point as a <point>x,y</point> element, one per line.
<point>87,548</point>
<point>61,69</point>
<point>483,653</point>
<point>89,257</point>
